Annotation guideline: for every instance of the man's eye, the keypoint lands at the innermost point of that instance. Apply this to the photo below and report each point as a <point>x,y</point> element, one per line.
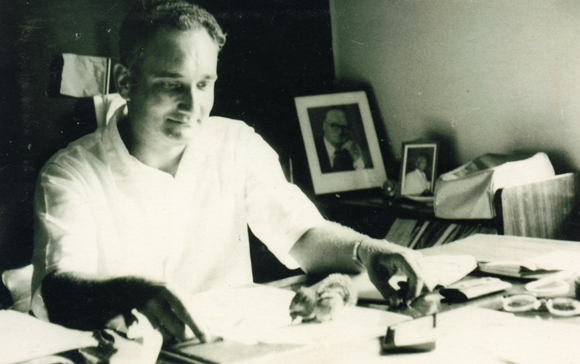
<point>171,85</point>
<point>203,85</point>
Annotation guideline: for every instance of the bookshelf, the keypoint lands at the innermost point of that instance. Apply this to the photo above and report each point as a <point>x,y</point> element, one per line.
<point>401,221</point>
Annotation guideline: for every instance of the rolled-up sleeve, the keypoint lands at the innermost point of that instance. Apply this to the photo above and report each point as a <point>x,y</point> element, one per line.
<point>65,233</point>
<point>279,213</point>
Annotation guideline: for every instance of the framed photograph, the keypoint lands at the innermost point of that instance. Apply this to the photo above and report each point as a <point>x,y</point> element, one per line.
<point>341,142</point>
<point>418,170</point>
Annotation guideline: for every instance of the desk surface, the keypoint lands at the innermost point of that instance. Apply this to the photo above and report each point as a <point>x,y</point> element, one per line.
<point>515,339</point>
<point>465,332</point>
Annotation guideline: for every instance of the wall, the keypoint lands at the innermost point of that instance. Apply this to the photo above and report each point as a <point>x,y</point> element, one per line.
<point>479,75</point>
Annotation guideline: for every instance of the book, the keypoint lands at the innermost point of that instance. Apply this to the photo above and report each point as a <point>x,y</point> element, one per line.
<point>425,233</point>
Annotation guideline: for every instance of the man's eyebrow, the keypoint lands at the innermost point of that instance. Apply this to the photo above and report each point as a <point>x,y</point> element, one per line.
<point>165,74</point>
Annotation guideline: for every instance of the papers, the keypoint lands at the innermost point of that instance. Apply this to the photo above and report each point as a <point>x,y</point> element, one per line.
<point>535,267</point>
<point>255,323</point>
<point>557,260</point>
<point>440,269</point>
<point>474,334</point>
<point>261,314</point>
<point>23,337</point>
<point>473,288</point>
<point>500,248</point>
<point>84,76</point>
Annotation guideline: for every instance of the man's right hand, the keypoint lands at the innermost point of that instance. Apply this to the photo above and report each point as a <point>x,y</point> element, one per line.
<point>89,301</point>
<point>353,149</point>
<point>167,313</point>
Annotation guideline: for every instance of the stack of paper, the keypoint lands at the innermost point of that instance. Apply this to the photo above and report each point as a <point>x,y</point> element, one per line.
<point>23,337</point>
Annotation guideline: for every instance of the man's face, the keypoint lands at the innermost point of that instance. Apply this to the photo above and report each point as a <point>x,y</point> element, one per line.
<point>335,128</point>
<point>421,163</point>
<point>172,89</point>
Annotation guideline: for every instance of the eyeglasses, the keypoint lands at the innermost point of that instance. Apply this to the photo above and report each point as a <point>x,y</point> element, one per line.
<point>561,306</point>
<point>338,127</point>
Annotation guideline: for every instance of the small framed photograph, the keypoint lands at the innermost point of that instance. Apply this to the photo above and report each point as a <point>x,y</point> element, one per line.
<point>418,169</point>
<point>341,142</point>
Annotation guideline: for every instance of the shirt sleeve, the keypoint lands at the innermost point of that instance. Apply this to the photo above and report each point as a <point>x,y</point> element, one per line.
<point>279,213</point>
<point>65,233</point>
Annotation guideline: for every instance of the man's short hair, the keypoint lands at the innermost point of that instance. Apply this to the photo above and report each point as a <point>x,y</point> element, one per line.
<point>149,16</point>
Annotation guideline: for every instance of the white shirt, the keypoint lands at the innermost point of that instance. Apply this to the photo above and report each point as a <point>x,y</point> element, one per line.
<point>100,210</point>
<point>416,183</point>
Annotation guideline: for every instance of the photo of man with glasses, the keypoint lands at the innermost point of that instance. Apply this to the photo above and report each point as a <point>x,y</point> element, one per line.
<point>337,148</point>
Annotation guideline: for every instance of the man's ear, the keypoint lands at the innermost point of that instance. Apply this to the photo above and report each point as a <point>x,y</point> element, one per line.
<point>122,80</point>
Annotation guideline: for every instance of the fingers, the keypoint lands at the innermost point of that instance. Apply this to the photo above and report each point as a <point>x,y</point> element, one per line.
<point>414,272</point>
<point>380,273</point>
<point>347,145</point>
<point>163,319</point>
<point>168,314</point>
<point>386,265</point>
<point>179,309</point>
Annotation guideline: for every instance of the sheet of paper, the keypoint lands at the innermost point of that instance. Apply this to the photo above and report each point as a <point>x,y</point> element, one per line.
<point>493,335</point>
<point>23,337</point>
<point>557,260</point>
<point>258,317</point>
<point>261,313</point>
<point>84,76</point>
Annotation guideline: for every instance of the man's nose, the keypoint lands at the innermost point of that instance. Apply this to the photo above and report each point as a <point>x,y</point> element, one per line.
<point>189,101</point>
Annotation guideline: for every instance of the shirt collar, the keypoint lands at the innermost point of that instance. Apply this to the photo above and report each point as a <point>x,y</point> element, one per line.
<point>122,163</point>
<point>330,149</point>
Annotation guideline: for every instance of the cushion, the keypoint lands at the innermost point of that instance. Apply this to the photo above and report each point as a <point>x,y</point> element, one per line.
<point>18,281</point>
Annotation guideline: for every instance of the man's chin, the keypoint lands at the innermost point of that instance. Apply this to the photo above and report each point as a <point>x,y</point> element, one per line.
<point>182,134</point>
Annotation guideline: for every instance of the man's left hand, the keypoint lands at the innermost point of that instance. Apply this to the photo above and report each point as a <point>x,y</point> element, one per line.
<point>383,263</point>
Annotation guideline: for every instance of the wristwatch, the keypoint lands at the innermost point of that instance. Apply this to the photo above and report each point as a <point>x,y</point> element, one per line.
<point>355,256</point>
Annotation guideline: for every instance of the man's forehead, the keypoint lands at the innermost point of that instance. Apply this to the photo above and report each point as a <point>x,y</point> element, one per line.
<point>336,116</point>
<point>168,52</point>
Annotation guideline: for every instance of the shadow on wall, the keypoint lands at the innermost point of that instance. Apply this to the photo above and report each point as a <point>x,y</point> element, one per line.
<point>439,130</point>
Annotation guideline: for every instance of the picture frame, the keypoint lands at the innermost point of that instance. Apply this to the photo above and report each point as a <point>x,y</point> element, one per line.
<point>334,127</point>
<point>419,170</point>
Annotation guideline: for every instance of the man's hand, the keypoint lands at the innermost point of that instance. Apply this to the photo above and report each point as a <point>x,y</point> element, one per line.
<point>383,263</point>
<point>88,302</point>
<point>353,149</point>
<point>167,313</point>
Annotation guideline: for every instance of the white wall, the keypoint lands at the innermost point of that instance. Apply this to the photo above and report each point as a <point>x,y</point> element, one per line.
<point>489,76</point>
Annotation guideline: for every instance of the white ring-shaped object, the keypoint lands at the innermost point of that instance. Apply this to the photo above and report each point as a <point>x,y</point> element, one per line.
<point>548,287</point>
<point>521,303</point>
<point>572,306</point>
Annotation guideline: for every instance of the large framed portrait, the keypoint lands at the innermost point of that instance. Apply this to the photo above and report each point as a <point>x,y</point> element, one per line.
<point>341,142</point>
<point>418,170</point>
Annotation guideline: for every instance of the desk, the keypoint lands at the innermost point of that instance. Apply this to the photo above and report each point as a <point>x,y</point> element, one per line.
<point>467,334</point>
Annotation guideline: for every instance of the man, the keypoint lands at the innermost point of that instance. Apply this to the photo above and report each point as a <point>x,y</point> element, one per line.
<point>155,205</point>
<point>416,182</point>
<point>337,151</point>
